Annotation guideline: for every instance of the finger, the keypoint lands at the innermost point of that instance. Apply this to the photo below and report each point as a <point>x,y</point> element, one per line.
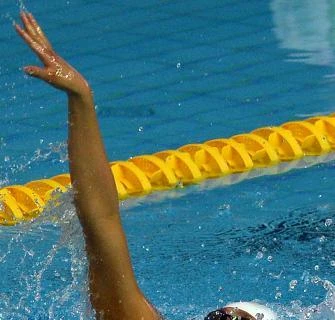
<point>34,30</point>
<point>27,24</point>
<point>36,72</point>
<point>38,30</point>
<point>35,46</point>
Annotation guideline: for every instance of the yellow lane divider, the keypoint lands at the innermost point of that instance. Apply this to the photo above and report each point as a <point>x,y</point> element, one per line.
<point>263,147</point>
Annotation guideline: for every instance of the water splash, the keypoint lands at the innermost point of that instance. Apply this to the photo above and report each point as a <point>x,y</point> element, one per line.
<point>50,277</point>
<point>55,153</point>
<point>7,16</point>
<point>22,6</point>
<point>297,311</point>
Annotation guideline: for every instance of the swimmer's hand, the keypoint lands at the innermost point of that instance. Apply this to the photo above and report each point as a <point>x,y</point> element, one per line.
<point>56,71</point>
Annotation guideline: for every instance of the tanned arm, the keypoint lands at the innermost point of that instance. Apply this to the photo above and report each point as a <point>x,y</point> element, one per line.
<point>113,287</point>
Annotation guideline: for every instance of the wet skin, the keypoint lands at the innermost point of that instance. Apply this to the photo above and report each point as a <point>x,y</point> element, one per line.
<point>114,291</point>
<point>113,288</point>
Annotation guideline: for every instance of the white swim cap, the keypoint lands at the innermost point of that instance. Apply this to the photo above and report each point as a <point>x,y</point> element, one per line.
<point>258,311</point>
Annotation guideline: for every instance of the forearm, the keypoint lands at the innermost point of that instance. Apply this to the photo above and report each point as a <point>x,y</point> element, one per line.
<point>90,171</point>
<point>97,208</point>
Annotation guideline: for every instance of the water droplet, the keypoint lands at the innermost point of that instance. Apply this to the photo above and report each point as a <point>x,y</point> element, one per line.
<point>322,239</point>
<point>259,255</point>
<point>225,208</point>
<point>328,222</point>
<point>293,284</point>
<point>315,280</point>
<point>22,6</point>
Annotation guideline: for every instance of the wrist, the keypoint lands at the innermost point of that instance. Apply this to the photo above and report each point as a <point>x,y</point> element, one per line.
<point>80,101</point>
<point>82,94</point>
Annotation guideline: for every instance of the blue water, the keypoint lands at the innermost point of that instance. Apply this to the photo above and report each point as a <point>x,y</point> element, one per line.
<point>164,74</point>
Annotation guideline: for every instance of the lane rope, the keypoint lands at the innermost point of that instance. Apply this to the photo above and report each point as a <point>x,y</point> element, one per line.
<point>189,164</point>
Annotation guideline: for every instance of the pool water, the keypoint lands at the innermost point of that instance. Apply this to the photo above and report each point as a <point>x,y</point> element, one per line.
<point>164,74</point>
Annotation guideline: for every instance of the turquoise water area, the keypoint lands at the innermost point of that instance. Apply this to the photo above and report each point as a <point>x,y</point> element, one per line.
<point>164,74</point>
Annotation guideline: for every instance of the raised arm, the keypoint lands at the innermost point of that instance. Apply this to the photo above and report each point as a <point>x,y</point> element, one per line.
<point>113,287</point>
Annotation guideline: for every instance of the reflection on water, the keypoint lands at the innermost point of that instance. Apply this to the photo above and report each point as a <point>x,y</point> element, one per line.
<point>307,28</point>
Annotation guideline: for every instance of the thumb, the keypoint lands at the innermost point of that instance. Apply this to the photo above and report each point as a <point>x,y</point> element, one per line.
<point>36,72</point>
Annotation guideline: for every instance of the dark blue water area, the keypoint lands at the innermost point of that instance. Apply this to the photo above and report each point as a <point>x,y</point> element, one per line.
<point>165,74</point>
<point>244,241</point>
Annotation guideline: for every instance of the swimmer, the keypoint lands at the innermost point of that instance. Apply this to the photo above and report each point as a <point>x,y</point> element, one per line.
<point>114,292</point>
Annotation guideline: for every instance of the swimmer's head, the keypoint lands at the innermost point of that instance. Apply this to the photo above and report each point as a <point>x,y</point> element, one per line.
<point>242,311</point>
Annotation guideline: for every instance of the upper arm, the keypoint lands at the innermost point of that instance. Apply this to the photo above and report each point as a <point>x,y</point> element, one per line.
<point>113,285</point>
